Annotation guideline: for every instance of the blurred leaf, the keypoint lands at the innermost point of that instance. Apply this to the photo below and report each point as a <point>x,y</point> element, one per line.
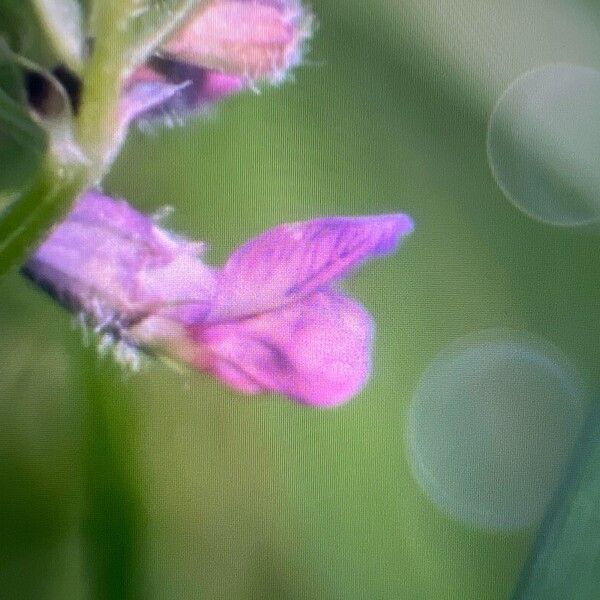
<point>61,175</point>
<point>22,141</point>
<point>16,124</point>
<point>24,34</point>
<point>36,93</point>
<point>17,26</point>
<point>11,75</point>
<point>35,87</point>
<point>61,20</point>
<point>6,197</point>
<point>22,144</point>
<point>565,561</point>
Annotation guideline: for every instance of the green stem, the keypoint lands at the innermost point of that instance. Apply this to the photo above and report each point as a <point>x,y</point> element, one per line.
<point>124,40</point>
<point>565,560</point>
<point>113,523</point>
<point>96,123</point>
<point>24,223</point>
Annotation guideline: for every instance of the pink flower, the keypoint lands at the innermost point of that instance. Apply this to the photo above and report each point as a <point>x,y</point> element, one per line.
<point>257,39</point>
<point>226,47</point>
<point>268,320</point>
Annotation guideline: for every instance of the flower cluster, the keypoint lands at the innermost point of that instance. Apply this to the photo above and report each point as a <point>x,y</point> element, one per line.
<point>270,318</point>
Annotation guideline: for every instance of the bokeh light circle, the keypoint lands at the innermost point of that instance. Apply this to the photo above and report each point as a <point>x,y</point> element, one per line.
<point>543,144</point>
<point>491,426</point>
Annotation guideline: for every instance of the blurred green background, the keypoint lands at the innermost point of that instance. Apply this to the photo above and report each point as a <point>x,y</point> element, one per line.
<point>165,484</point>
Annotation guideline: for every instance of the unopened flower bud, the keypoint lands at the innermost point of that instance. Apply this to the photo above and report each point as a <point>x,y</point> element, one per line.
<point>226,47</point>
<point>257,39</point>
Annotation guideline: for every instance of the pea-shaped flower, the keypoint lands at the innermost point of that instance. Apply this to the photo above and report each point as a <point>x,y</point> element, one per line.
<point>226,47</point>
<point>269,319</point>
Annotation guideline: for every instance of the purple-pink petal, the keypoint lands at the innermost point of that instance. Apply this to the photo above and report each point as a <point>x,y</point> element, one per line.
<point>257,39</point>
<point>168,90</point>
<point>316,351</point>
<point>267,321</point>
<point>291,261</point>
<point>225,47</point>
<point>112,262</point>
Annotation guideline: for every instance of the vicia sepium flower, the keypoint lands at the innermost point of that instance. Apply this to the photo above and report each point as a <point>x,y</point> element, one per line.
<point>269,320</point>
<point>227,46</point>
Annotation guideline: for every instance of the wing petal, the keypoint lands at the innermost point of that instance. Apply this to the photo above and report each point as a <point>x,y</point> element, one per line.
<point>316,351</point>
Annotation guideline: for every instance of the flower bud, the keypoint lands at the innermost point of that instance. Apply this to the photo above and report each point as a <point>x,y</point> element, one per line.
<point>256,39</point>
<point>226,47</point>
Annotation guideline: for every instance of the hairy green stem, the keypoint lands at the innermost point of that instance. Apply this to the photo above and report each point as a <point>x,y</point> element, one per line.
<point>26,220</point>
<point>128,32</point>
